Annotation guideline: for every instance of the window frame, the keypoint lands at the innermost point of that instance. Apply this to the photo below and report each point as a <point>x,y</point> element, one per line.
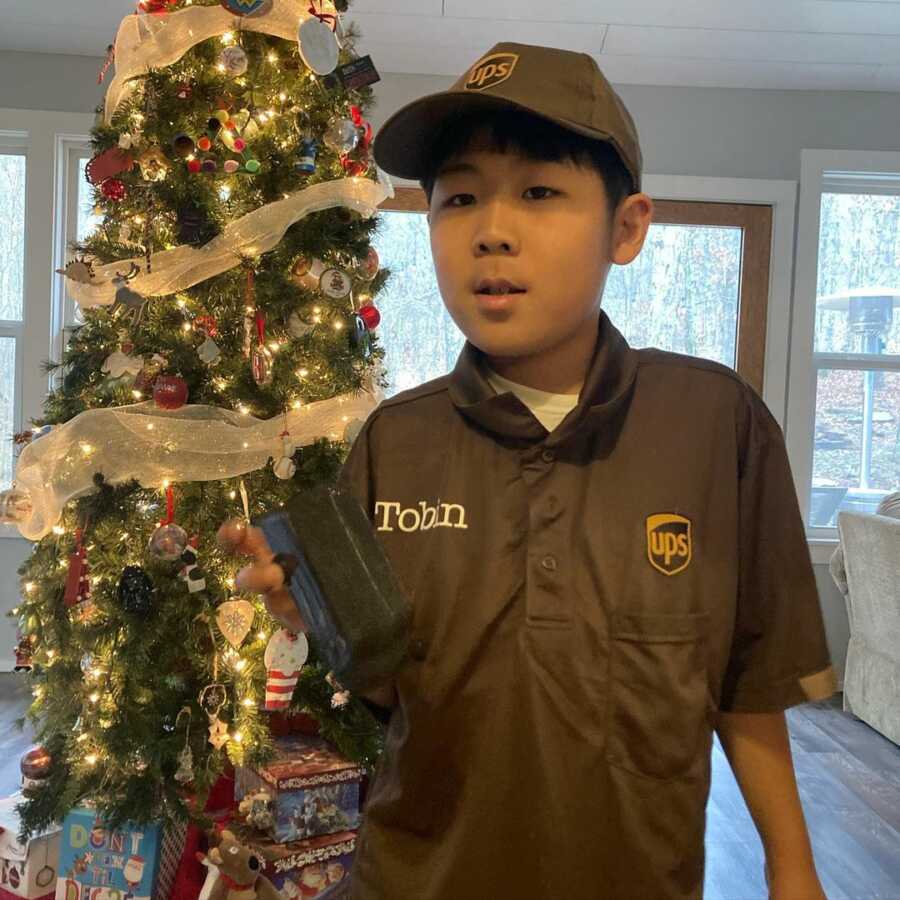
<point>781,196</point>
<point>852,167</point>
<point>37,131</point>
<point>15,143</point>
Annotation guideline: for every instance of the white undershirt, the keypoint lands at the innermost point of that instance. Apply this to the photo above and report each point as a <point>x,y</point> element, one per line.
<point>548,409</point>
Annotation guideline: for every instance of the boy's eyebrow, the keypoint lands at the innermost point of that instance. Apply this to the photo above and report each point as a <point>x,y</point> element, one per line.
<point>456,168</point>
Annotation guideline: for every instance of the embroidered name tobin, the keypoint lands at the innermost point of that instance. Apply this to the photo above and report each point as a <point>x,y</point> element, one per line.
<point>441,515</point>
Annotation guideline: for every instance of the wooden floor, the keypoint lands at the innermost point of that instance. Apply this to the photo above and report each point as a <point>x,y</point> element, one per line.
<point>849,778</point>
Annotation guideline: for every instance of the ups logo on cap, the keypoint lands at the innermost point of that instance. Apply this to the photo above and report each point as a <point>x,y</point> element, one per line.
<point>491,71</point>
<point>669,542</point>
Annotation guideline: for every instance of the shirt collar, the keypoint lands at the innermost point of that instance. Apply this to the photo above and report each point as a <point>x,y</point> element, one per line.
<point>607,387</point>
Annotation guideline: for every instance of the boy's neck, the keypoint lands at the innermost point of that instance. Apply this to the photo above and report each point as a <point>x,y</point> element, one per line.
<point>558,370</point>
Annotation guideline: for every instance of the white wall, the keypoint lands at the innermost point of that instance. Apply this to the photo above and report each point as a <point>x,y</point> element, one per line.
<point>714,132</point>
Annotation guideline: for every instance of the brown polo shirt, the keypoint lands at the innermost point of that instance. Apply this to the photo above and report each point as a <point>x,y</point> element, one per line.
<point>584,601</point>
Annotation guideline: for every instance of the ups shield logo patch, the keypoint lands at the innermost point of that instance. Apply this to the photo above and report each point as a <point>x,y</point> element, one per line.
<point>491,71</point>
<point>669,542</point>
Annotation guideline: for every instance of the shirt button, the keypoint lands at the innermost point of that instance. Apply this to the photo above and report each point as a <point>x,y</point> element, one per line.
<point>417,649</point>
<point>548,456</point>
<point>549,563</point>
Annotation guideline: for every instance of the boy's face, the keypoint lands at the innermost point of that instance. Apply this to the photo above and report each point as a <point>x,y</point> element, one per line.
<point>546,228</point>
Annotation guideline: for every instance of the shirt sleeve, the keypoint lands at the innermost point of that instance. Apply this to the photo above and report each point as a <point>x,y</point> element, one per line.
<point>779,655</point>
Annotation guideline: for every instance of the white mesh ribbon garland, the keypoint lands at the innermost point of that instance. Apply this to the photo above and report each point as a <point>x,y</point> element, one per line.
<point>145,41</point>
<point>256,232</point>
<point>143,442</point>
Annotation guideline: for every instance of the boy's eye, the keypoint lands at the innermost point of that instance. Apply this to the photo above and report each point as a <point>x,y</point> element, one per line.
<point>451,200</point>
<point>547,192</point>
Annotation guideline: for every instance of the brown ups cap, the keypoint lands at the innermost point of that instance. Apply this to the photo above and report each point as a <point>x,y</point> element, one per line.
<point>565,87</point>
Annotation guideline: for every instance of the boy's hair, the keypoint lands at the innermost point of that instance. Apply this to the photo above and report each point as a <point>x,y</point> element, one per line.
<point>534,138</point>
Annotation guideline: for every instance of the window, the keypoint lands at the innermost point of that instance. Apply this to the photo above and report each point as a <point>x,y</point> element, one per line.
<point>12,292</point>
<point>849,291</point>
<point>700,287</point>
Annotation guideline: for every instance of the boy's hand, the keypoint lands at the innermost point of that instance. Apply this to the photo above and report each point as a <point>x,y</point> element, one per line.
<point>263,576</point>
<point>800,882</point>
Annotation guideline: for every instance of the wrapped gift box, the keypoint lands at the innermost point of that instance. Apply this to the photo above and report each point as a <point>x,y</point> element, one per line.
<point>313,789</point>
<point>26,870</point>
<point>137,862</point>
<point>315,869</point>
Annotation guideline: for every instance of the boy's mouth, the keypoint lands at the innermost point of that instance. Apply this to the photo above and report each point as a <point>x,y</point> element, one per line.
<point>497,286</point>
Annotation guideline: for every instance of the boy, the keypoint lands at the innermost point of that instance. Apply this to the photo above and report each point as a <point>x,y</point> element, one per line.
<point>602,546</point>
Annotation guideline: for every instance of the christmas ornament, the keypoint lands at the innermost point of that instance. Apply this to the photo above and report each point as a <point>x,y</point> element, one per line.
<point>128,300</point>
<point>135,591</point>
<point>154,164</point>
<point>170,392</point>
<point>209,166</point>
<point>297,327</point>
<point>231,166</point>
<point>35,766</point>
<point>367,268</point>
<point>185,91</point>
<point>318,45</point>
<point>24,652</point>
<point>358,335</point>
<point>78,585</point>
<point>190,572</point>
<point>233,61</point>
<point>147,376</point>
<point>15,506</point>
<point>336,284</point>
<point>340,135</point>
<point>285,655</point>
<point>245,7</point>
<point>212,699</point>
<point>306,272</point>
<point>370,316</point>
<point>284,467</point>
<point>235,618</point>
<point>193,226</point>
<point>261,357</point>
<point>120,364</point>
<point>185,772</point>
<point>168,541</point>
<point>87,663</point>
<point>114,189</point>
<point>209,352</point>
<point>194,166</point>
<point>157,7</point>
<point>126,140</point>
<point>107,164</point>
<point>305,164</point>
<point>183,145</point>
<point>79,270</point>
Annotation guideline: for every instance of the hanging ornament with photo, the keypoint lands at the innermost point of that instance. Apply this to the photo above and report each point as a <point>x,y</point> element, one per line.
<point>317,42</point>
<point>169,540</point>
<point>78,585</point>
<point>154,164</point>
<point>233,61</point>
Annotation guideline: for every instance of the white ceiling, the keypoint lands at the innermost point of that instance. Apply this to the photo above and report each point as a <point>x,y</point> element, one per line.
<point>776,44</point>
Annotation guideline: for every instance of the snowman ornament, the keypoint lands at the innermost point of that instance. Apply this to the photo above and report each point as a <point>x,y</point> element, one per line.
<point>285,467</point>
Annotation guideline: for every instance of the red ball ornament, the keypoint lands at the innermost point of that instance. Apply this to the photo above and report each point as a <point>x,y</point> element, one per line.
<point>370,316</point>
<point>113,189</point>
<point>204,144</point>
<point>170,392</point>
<point>194,165</point>
<point>240,145</point>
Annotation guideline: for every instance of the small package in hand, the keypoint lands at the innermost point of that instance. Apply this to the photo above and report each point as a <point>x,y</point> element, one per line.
<point>343,585</point>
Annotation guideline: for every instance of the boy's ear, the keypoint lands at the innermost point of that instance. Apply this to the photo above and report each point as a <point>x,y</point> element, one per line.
<point>630,226</point>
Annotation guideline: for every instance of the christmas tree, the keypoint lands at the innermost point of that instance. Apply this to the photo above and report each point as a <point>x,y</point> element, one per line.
<point>225,360</point>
